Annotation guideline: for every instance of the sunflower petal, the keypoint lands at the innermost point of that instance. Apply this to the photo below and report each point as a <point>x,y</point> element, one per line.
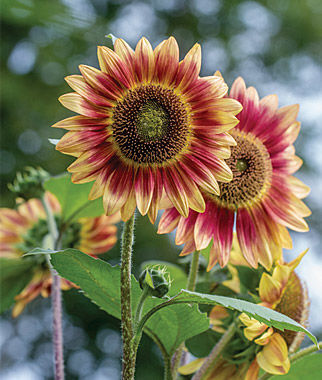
<point>189,68</point>
<point>117,190</point>
<point>78,84</point>
<point>167,61</point>
<point>112,64</point>
<point>76,103</point>
<point>144,186</point>
<point>123,50</point>
<point>144,61</point>
<point>270,289</point>
<point>169,221</point>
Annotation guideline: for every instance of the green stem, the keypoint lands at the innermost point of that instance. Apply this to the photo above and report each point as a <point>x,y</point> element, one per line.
<point>191,285</point>
<point>52,227</point>
<point>176,361</point>
<point>166,358</point>
<point>193,272</point>
<point>215,353</point>
<point>139,309</point>
<point>129,353</point>
<point>296,356</point>
<point>149,314</point>
<point>167,369</point>
<point>305,351</point>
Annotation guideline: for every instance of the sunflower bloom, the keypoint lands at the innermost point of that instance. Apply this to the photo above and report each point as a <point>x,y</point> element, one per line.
<point>26,228</point>
<point>148,125</point>
<point>264,199</point>
<point>284,292</point>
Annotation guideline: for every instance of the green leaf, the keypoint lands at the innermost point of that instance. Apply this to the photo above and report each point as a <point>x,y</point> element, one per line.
<point>39,251</point>
<point>249,278</point>
<point>178,276</point>
<point>14,276</point>
<point>201,345</point>
<point>263,314</point>
<point>100,281</point>
<point>309,368</point>
<point>73,198</point>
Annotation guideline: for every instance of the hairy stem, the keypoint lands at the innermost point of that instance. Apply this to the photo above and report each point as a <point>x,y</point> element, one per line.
<point>191,285</point>
<point>215,353</point>
<point>139,308</point>
<point>296,356</point>
<point>167,369</point>
<point>57,327</point>
<point>52,227</point>
<point>138,315</point>
<point>129,352</point>
<point>55,298</point>
<point>176,360</point>
<point>149,314</point>
<point>305,351</point>
<point>193,272</point>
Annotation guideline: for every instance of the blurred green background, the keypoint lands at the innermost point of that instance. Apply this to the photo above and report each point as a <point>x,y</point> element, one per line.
<point>275,45</point>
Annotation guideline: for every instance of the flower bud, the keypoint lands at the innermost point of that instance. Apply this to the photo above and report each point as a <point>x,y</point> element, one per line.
<point>29,183</point>
<point>156,278</point>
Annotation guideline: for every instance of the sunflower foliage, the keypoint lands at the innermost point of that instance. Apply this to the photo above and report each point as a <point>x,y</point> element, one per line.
<point>179,317</point>
<point>153,135</point>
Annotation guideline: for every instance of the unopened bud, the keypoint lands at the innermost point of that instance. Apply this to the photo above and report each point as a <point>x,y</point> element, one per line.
<point>156,278</point>
<point>29,183</point>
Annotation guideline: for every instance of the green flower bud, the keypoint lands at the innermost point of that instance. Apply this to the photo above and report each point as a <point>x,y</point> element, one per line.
<point>157,279</point>
<point>29,183</point>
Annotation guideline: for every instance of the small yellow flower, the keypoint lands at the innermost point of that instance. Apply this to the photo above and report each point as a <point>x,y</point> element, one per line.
<point>273,358</point>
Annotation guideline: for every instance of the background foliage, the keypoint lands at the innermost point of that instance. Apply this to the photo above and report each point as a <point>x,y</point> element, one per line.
<point>275,45</point>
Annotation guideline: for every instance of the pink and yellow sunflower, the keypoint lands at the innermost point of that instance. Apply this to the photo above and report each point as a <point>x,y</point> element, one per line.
<point>148,125</point>
<point>263,199</point>
<point>25,228</point>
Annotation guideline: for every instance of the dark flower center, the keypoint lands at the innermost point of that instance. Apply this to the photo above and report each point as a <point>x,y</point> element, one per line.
<point>294,303</point>
<point>36,235</point>
<point>252,171</point>
<point>150,125</point>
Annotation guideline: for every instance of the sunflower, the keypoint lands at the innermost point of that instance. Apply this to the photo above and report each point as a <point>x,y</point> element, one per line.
<point>263,199</point>
<point>148,125</point>
<point>284,292</point>
<point>26,228</point>
<point>256,345</point>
